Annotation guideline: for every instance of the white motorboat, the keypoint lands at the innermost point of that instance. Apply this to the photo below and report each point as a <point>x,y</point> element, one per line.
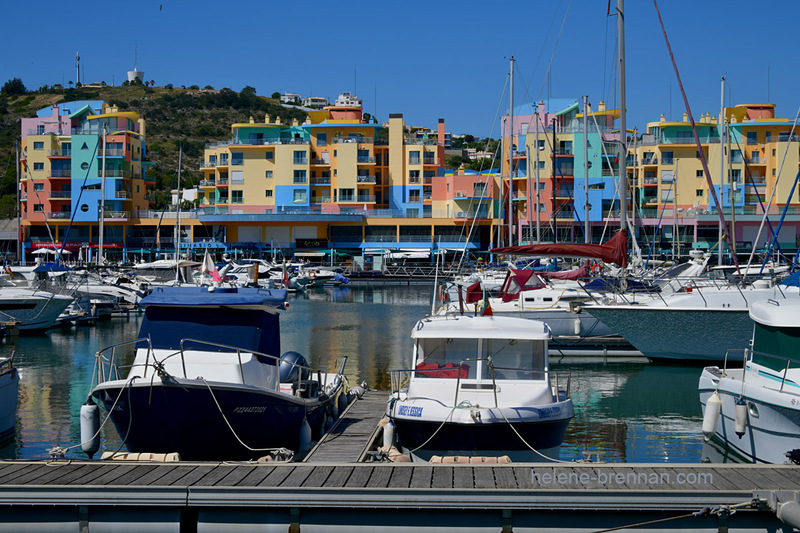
<point>33,310</point>
<point>755,410</point>
<point>9,388</point>
<point>710,319</point>
<point>480,386</point>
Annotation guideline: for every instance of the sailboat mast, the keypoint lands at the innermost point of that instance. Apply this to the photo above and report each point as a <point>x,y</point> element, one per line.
<point>722,147</point>
<point>536,149</point>
<point>511,156</point>
<point>178,219</point>
<point>586,237</point>
<point>19,212</point>
<point>100,259</point>
<point>623,132</point>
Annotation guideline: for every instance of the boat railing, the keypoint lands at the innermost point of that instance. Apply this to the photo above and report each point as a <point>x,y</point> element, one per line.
<point>107,368</point>
<point>749,355</point>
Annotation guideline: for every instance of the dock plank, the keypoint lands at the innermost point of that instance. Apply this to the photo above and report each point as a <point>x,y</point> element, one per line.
<point>442,477</point>
<point>346,440</point>
<point>193,476</point>
<point>380,476</point>
<point>359,476</point>
<point>339,476</point>
<point>256,476</point>
<point>236,475</point>
<point>524,476</point>
<point>20,477</point>
<point>215,476</point>
<point>277,476</point>
<point>401,477</point>
<point>484,478</point>
<point>172,475</point>
<point>297,477</point>
<point>155,476</point>
<point>421,477</point>
<point>504,478</point>
<point>463,478</point>
<point>317,476</point>
<point>10,470</point>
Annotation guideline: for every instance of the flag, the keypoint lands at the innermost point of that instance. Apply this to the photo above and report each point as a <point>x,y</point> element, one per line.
<point>474,293</point>
<point>208,265</point>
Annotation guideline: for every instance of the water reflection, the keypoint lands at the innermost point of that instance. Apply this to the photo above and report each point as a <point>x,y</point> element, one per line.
<point>626,412</point>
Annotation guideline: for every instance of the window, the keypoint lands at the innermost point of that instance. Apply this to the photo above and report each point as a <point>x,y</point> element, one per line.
<point>541,144</point>
<point>38,145</point>
<point>414,197</point>
<point>236,197</point>
<point>268,174</point>
<point>752,137</point>
<point>736,175</point>
<point>38,208</point>
<point>767,136</point>
<point>212,160</point>
<point>322,139</point>
<point>334,172</point>
<point>413,157</point>
<point>378,178</point>
<point>378,159</point>
<point>666,158</point>
<point>773,152</point>
<point>300,157</point>
<point>413,176</point>
<point>38,166</point>
<point>38,186</point>
<point>736,156</point>
<point>223,159</point>
<point>412,213</point>
<point>335,152</point>
<point>346,195</point>
<point>773,171</point>
<point>699,174</point>
<point>666,195</point>
<point>237,177</point>
<point>40,129</point>
<point>270,154</point>
<point>268,193</point>
<point>699,193</point>
<point>84,147</point>
<point>300,176</point>
<point>541,165</point>
<point>84,166</point>
<point>300,196</point>
<point>684,137</point>
<point>237,158</point>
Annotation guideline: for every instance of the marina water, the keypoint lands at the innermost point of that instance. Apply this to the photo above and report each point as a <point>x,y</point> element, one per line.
<point>625,412</point>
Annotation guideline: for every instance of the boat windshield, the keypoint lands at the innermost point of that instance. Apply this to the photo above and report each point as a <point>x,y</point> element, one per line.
<point>509,358</point>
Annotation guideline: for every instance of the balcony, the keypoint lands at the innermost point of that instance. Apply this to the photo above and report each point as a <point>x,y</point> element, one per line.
<point>122,195</point>
<point>116,215</point>
<point>248,142</point>
<point>210,164</point>
<point>471,214</point>
<point>421,142</point>
<point>222,182</point>
<point>565,171</point>
<point>359,140</point>
<point>427,180</point>
<point>756,160</point>
<point>59,153</point>
<point>112,152</point>
<point>563,151</point>
<point>299,181</point>
<point>61,173</point>
<point>414,160</point>
<point>649,161</point>
<point>430,161</point>
<point>115,173</point>
<point>414,181</point>
<point>320,199</point>
<point>321,181</point>
<point>366,198</point>
<point>60,195</point>
<point>59,215</point>
<point>207,183</point>
<point>365,179</point>
<point>320,162</point>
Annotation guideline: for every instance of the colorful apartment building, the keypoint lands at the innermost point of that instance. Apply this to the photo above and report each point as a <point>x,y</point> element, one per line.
<point>556,193</point>
<point>62,169</point>
<point>671,195</point>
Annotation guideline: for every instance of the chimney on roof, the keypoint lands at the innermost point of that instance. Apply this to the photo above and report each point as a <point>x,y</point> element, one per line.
<point>601,106</point>
<point>267,118</point>
<point>685,117</point>
<point>277,120</point>
<point>662,119</point>
<point>295,122</point>
<point>252,120</point>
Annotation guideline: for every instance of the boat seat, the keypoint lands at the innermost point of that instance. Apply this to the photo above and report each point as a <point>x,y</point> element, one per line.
<point>434,370</point>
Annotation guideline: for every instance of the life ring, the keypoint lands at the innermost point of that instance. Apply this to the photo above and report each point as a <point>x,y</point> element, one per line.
<point>597,268</point>
<point>312,274</point>
<point>442,294</point>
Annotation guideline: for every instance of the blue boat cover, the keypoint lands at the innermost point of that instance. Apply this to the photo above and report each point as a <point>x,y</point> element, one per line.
<point>231,317</point>
<point>792,280</point>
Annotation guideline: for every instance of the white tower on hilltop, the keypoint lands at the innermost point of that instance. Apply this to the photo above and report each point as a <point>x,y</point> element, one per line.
<point>135,74</point>
<point>77,68</point>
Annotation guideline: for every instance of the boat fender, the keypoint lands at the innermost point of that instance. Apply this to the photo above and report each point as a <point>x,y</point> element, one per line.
<point>711,416</point>
<point>341,402</point>
<point>90,428</point>
<point>334,409</point>
<point>789,514</point>
<point>576,327</point>
<point>388,434</point>
<point>740,422</point>
<point>304,444</point>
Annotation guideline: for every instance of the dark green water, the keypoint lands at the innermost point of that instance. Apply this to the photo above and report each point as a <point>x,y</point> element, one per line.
<point>627,412</point>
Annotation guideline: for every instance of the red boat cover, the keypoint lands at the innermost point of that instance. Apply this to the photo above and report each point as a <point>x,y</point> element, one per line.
<point>518,281</point>
<point>580,273</point>
<point>613,251</point>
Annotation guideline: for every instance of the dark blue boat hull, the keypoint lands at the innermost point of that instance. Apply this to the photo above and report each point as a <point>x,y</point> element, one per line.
<point>185,419</point>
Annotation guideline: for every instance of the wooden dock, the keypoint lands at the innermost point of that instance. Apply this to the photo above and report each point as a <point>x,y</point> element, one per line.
<point>332,490</point>
<point>356,428</point>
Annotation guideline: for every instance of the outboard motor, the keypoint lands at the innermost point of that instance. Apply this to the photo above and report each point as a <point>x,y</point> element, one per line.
<point>289,372</point>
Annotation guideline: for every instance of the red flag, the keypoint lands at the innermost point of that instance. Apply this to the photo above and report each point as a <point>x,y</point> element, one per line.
<point>474,293</point>
<point>487,311</point>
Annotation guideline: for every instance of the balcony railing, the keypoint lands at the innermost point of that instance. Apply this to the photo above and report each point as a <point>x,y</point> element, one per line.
<point>116,214</point>
<point>299,181</point>
<point>59,153</point>
<point>360,140</point>
<point>60,194</point>
<point>122,195</point>
<point>365,179</point>
<point>264,142</point>
<point>414,161</point>
<point>563,151</point>
<point>649,161</point>
<point>206,183</point>
<point>112,152</point>
<point>366,160</point>
<point>115,173</point>
<point>421,142</point>
<point>414,181</point>
<point>61,215</point>
<point>468,214</point>
<point>209,164</point>
<point>321,181</point>
<point>427,180</point>
<point>320,161</point>
<point>222,181</point>
<point>756,160</point>
<point>365,198</point>
<point>320,199</point>
<point>61,173</point>
<point>428,160</point>
<point>237,162</point>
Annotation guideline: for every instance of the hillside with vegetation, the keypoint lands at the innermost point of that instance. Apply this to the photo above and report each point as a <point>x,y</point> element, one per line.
<point>175,116</point>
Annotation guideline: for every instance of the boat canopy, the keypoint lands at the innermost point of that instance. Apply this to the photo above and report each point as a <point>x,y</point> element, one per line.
<point>480,327</point>
<point>241,317</point>
<point>777,332</point>
<point>615,250</point>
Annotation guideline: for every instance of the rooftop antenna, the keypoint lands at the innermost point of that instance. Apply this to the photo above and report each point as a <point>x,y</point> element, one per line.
<point>768,80</point>
<point>77,68</point>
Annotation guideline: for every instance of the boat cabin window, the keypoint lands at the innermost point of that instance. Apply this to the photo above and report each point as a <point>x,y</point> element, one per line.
<point>510,358</point>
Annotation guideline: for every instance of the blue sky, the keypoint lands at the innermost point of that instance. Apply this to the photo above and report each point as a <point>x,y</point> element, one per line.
<point>427,60</point>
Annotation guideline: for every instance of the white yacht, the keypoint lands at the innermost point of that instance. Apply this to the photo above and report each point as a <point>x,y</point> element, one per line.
<point>480,386</point>
<point>755,410</point>
<point>33,310</point>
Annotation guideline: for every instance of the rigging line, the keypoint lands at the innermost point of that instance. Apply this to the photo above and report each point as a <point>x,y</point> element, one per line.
<point>749,175</point>
<point>700,150</point>
<point>78,201</point>
<point>550,64</point>
<point>605,49</point>
<point>541,51</point>
<point>774,189</point>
